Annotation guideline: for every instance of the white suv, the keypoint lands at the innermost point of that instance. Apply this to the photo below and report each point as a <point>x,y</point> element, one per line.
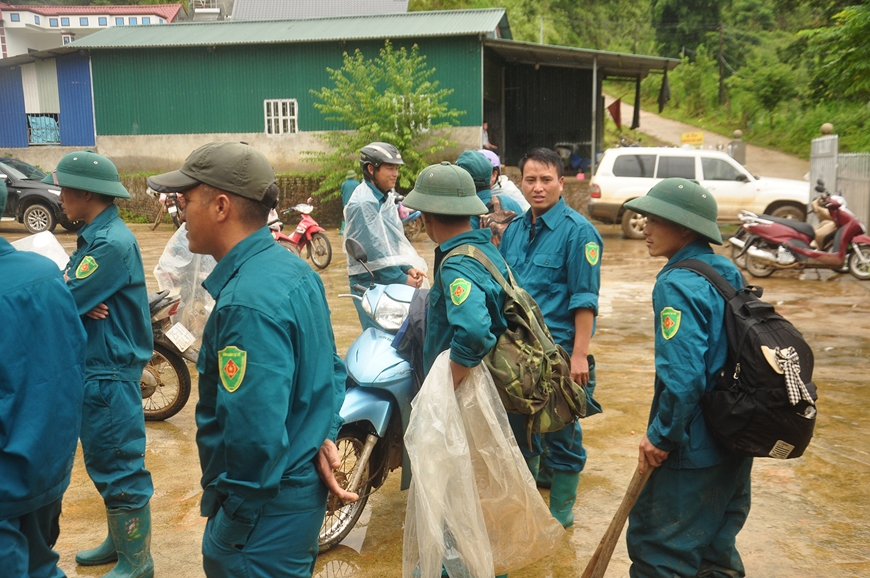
<point>630,172</point>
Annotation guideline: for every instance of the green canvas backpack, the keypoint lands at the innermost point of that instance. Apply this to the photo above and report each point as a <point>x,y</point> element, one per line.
<point>531,372</point>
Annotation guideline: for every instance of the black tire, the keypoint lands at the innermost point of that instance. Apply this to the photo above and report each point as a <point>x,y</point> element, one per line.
<point>757,267</point>
<point>167,396</point>
<point>632,224</point>
<point>320,250</point>
<point>413,228</point>
<point>176,219</point>
<point>340,518</point>
<point>289,246</point>
<point>789,212</point>
<point>38,218</point>
<point>735,250</point>
<point>856,266</point>
<point>72,226</point>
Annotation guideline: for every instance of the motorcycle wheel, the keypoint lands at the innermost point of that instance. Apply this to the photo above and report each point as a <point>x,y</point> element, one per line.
<point>340,517</point>
<point>860,269</point>
<point>735,250</point>
<point>413,228</point>
<point>320,250</point>
<point>176,220</point>
<point>167,390</point>
<point>289,246</point>
<point>757,267</point>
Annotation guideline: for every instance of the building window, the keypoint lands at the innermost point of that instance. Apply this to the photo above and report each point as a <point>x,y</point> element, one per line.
<point>64,21</point>
<point>36,19</point>
<point>52,22</point>
<point>83,21</point>
<point>103,21</point>
<point>67,38</point>
<point>146,20</point>
<point>280,115</point>
<point>15,17</point>
<point>119,21</point>
<point>160,20</point>
<point>406,115</point>
<point>133,20</point>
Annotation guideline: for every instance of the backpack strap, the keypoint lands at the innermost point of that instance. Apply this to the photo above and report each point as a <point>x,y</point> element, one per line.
<point>725,289</point>
<point>480,257</point>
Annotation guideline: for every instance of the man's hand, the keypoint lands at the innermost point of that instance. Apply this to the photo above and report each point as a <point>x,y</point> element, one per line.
<point>649,454</point>
<point>101,311</point>
<point>415,278</point>
<point>458,372</point>
<point>580,369</point>
<point>326,463</point>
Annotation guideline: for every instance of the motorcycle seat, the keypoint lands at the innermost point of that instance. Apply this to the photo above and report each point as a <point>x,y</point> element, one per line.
<point>800,226</point>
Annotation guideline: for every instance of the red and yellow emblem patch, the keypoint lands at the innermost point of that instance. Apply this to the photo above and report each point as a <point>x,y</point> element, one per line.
<point>459,291</point>
<point>593,253</point>
<point>86,267</point>
<point>670,322</point>
<point>232,362</point>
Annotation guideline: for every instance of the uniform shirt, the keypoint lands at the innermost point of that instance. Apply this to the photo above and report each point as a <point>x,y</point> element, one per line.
<point>465,303</point>
<point>107,268</point>
<point>560,267</point>
<point>690,352</point>
<point>507,204</point>
<point>359,215</point>
<point>270,384</point>
<point>347,189</point>
<point>41,382</point>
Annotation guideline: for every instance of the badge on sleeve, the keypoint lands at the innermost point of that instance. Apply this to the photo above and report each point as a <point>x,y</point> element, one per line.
<point>86,267</point>
<point>670,322</point>
<point>593,253</point>
<point>459,291</point>
<point>232,362</point>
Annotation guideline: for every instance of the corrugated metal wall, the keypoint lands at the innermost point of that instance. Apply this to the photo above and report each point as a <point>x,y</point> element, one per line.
<point>221,90</point>
<point>13,120</point>
<point>39,80</point>
<point>546,106</point>
<point>76,104</point>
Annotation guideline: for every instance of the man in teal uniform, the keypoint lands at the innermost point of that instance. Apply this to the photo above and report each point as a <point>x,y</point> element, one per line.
<point>41,390</point>
<point>465,302</point>
<point>686,520</point>
<point>347,188</point>
<point>480,169</point>
<point>555,254</point>
<point>372,218</point>
<point>107,281</point>
<point>270,381</point>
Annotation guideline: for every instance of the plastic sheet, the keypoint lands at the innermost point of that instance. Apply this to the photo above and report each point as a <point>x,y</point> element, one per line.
<point>473,505</point>
<point>45,244</point>
<point>180,270</point>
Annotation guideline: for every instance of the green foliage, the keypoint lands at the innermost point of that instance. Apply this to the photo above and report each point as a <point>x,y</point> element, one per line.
<point>762,86</point>
<point>842,52</point>
<point>682,24</point>
<point>389,98</point>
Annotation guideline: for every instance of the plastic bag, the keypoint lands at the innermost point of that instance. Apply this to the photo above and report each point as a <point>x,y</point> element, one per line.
<point>473,504</point>
<point>180,270</point>
<point>45,244</point>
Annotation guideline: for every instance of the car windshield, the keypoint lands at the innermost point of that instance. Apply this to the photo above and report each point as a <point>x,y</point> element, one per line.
<point>12,172</point>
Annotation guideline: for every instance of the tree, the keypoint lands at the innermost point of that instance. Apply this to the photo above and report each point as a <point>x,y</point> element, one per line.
<point>842,53</point>
<point>682,24</point>
<point>390,98</point>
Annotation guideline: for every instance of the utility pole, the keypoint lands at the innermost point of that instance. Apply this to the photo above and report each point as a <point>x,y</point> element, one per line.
<point>721,66</point>
<point>541,33</point>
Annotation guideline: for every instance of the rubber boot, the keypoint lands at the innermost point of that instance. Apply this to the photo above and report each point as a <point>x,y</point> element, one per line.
<point>545,475</point>
<point>103,554</point>
<point>131,532</point>
<point>341,229</point>
<point>534,464</point>
<point>563,494</point>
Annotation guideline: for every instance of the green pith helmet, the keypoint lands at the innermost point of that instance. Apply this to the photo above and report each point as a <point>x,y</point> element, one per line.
<point>683,202</point>
<point>478,166</point>
<point>88,171</point>
<point>445,189</point>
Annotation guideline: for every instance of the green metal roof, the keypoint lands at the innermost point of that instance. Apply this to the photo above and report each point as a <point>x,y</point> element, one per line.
<point>491,22</point>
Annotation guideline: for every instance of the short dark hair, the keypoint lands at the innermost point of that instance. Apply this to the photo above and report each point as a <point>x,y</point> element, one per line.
<point>251,212</point>
<point>449,219</point>
<point>544,156</point>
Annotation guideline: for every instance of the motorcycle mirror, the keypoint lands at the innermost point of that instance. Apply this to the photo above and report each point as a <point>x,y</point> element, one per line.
<point>356,250</point>
<point>310,200</point>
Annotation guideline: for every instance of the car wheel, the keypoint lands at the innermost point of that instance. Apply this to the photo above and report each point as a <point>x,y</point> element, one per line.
<point>789,212</point>
<point>633,224</point>
<point>38,218</point>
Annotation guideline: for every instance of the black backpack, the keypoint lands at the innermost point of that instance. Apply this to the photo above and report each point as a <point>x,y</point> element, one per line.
<point>764,402</point>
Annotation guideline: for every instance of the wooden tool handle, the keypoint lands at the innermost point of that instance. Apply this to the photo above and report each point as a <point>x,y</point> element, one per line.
<point>601,558</point>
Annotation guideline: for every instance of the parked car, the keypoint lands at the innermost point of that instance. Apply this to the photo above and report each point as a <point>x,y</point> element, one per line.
<point>32,202</point>
<point>626,173</point>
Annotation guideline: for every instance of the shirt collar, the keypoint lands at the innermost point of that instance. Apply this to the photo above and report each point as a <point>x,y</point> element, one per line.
<point>226,268</point>
<point>377,192</point>
<point>690,251</point>
<point>550,217</point>
<point>89,231</point>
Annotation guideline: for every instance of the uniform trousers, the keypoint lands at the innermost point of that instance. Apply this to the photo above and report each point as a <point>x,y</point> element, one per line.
<point>113,442</point>
<point>685,522</point>
<point>26,544</point>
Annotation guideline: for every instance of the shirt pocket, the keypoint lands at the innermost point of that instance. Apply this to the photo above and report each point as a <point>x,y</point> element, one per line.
<point>550,274</point>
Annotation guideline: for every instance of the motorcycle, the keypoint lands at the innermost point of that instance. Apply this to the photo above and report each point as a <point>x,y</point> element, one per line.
<point>165,382</point>
<point>308,234</point>
<point>168,204</point>
<point>376,408</point>
<point>411,222</point>
<point>774,243</point>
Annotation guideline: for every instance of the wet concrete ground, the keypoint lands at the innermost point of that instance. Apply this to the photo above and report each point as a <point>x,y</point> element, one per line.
<point>810,517</point>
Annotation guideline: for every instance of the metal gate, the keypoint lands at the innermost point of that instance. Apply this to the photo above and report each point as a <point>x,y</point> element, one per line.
<point>846,174</point>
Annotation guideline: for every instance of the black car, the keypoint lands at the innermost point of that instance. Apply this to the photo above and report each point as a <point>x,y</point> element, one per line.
<point>31,201</point>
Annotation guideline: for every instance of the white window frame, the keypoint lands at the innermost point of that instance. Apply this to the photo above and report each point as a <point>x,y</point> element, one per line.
<point>400,103</point>
<point>280,116</point>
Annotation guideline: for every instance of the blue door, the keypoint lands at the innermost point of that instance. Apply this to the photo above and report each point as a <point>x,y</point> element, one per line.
<point>76,101</point>
<point>13,120</point>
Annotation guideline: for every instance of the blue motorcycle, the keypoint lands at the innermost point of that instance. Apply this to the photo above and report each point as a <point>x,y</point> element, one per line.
<point>377,406</point>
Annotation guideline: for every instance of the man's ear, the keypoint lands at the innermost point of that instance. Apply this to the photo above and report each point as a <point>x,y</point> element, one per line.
<point>222,206</point>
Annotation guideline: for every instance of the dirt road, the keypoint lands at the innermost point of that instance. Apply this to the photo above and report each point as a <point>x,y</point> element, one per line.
<point>810,517</point>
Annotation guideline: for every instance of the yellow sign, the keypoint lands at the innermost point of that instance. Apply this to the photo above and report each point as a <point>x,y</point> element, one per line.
<point>696,139</point>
